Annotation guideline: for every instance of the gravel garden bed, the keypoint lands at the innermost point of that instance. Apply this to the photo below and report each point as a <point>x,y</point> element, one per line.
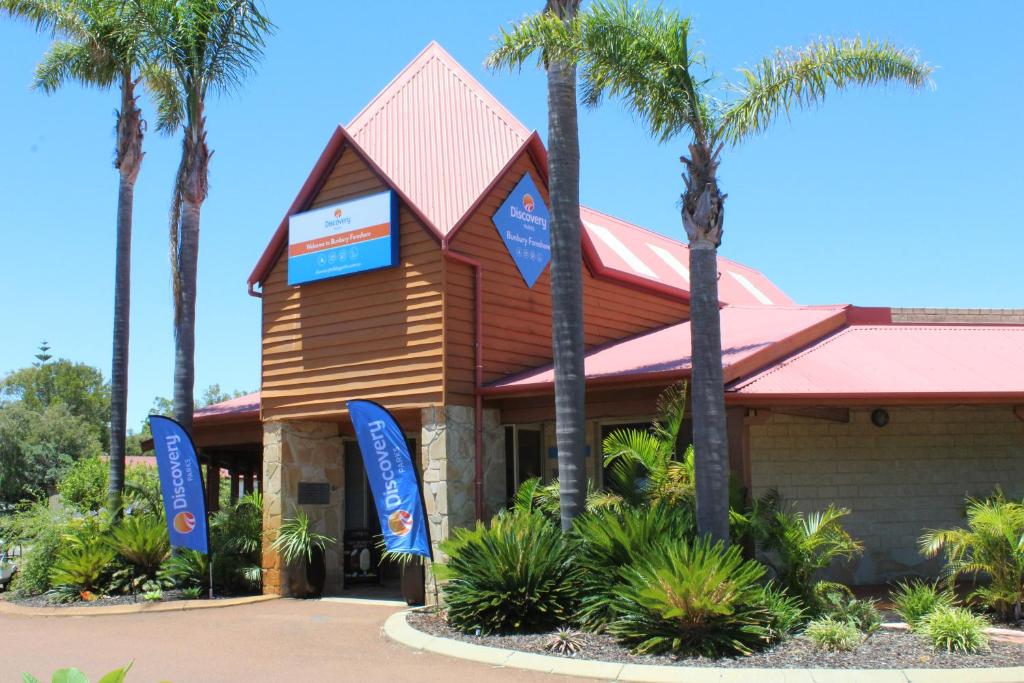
<point>886,649</point>
<point>103,601</point>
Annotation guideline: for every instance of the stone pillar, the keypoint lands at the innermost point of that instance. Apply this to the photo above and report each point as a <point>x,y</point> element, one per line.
<point>447,452</point>
<point>307,452</point>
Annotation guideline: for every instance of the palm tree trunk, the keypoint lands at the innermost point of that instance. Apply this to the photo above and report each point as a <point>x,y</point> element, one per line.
<point>703,216</point>
<point>129,160</point>
<point>192,187</point>
<point>566,280</point>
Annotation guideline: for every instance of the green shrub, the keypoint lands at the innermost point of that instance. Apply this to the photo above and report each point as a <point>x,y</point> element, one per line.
<point>142,541</point>
<point>186,569</point>
<point>955,629</point>
<point>82,565</point>
<point>836,601</point>
<point>40,532</point>
<point>516,574</point>
<point>784,614</point>
<point>691,598</point>
<point>833,635</point>
<point>608,539</point>
<point>797,545</point>
<point>913,600</point>
<point>193,593</point>
<point>84,485</point>
<point>990,546</point>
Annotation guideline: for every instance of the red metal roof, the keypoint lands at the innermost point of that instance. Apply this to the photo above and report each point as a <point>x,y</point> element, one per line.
<point>908,361</point>
<point>439,135</point>
<point>752,337</point>
<point>629,252</point>
<point>241,407</point>
<point>441,140</point>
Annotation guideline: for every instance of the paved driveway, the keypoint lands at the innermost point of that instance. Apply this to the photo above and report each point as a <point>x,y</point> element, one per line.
<point>280,640</point>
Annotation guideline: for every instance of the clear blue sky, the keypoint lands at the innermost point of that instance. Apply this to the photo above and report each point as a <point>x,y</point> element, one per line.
<point>879,198</point>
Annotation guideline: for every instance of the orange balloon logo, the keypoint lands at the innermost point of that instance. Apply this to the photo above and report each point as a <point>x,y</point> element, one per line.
<point>184,522</point>
<point>528,202</point>
<point>400,522</point>
<point>337,213</point>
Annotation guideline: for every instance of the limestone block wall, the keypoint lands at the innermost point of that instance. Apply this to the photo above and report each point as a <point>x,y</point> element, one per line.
<point>447,452</point>
<point>898,480</point>
<point>309,452</point>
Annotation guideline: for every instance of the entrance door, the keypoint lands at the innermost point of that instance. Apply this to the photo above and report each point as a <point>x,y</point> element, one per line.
<point>361,550</point>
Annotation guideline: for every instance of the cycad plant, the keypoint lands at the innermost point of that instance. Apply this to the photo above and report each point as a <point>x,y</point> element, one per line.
<point>82,565</point>
<point>142,541</point>
<point>609,539</point>
<point>692,598</point>
<point>516,574</point>
<point>643,55</point>
<point>990,548</point>
<point>296,541</point>
<point>799,544</point>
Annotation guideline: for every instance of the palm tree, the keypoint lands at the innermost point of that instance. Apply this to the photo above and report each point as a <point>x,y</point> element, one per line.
<point>208,45</point>
<point>99,44</point>
<point>566,267</point>
<point>642,55</point>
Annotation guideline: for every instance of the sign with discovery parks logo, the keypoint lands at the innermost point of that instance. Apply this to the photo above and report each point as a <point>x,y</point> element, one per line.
<point>522,222</point>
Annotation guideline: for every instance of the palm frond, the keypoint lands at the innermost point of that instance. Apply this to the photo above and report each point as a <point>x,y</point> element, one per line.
<point>642,55</point>
<point>163,86</point>
<point>543,34</point>
<point>66,61</point>
<point>801,78</point>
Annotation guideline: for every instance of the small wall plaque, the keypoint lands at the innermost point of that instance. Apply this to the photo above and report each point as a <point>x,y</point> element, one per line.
<point>314,493</point>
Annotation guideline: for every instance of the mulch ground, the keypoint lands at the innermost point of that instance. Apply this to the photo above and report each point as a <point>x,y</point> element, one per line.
<point>883,650</point>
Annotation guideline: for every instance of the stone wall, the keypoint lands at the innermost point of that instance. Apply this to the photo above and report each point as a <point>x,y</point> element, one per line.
<point>309,452</point>
<point>910,475</point>
<point>447,452</point>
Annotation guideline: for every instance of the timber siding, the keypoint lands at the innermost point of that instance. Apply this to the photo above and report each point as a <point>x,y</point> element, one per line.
<point>517,320</point>
<point>373,335</point>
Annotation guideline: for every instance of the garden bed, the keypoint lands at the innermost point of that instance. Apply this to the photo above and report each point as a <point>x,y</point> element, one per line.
<point>886,649</point>
<point>109,600</point>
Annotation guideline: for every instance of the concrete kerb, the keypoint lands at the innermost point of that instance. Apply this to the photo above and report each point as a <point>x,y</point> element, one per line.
<point>134,608</point>
<point>398,629</point>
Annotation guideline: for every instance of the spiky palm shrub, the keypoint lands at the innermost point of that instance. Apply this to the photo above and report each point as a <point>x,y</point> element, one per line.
<point>82,565</point>
<point>517,574</point>
<point>142,541</point>
<point>609,539</point>
<point>992,547</point>
<point>691,599</point>
<point>798,544</point>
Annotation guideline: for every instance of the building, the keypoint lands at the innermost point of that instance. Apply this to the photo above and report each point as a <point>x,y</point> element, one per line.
<point>894,413</point>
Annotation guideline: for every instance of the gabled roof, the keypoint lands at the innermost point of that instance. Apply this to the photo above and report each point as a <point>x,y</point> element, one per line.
<point>876,362</point>
<point>752,337</point>
<point>439,135</point>
<point>628,252</point>
<point>441,140</point>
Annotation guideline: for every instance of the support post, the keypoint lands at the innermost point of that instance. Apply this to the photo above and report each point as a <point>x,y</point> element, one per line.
<point>213,484</point>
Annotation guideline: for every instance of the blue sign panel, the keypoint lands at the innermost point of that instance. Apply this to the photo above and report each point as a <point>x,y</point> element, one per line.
<point>522,222</point>
<point>181,482</point>
<point>392,477</point>
<point>342,239</point>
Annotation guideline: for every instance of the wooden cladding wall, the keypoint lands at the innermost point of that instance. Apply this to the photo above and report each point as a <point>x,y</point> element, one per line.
<point>376,335</point>
<point>517,320</point>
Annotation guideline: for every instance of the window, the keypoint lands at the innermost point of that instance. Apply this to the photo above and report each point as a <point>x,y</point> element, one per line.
<point>523,456</point>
